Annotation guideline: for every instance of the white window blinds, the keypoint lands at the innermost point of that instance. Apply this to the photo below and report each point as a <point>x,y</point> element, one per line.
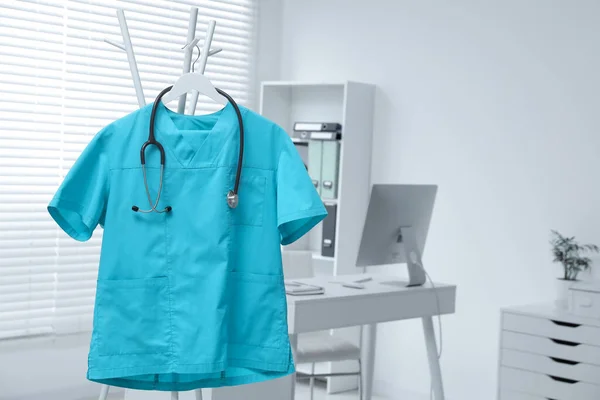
<point>59,85</point>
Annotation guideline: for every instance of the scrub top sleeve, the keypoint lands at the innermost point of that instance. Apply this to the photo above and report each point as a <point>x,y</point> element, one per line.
<point>80,202</point>
<point>299,207</point>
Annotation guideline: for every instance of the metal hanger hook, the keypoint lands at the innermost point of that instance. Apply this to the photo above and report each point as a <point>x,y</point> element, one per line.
<point>197,58</point>
<point>195,44</point>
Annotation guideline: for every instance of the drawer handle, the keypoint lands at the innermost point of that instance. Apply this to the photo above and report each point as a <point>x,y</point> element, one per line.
<point>565,342</point>
<point>563,380</point>
<point>563,361</point>
<point>565,324</point>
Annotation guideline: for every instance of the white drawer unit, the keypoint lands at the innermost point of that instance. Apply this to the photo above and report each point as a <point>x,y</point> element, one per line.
<point>548,387</point>
<point>551,366</point>
<point>551,347</point>
<point>547,354</point>
<point>552,328</point>
<point>507,394</point>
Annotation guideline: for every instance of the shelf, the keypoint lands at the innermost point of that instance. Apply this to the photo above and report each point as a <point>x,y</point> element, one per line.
<point>300,84</point>
<point>305,142</point>
<point>317,256</point>
<point>332,201</point>
<point>301,142</point>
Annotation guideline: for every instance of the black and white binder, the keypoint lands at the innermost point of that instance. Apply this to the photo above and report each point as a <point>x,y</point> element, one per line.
<point>317,126</point>
<point>317,131</point>
<point>300,137</point>
<point>328,243</point>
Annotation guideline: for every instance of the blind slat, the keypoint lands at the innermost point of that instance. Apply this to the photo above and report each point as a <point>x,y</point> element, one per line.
<point>79,267</point>
<point>61,84</point>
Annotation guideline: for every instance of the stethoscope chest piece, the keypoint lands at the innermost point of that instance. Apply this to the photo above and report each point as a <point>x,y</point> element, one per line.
<point>232,199</point>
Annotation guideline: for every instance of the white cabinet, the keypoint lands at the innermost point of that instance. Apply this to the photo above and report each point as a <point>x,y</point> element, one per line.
<point>548,354</point>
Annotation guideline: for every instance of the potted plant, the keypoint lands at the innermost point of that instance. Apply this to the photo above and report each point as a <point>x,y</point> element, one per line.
<point>571,256</point>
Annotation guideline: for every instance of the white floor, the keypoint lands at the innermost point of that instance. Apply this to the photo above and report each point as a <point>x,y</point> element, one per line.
<point>303,393</point>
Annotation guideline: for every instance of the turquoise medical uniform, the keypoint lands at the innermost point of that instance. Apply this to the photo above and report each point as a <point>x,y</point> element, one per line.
<point>193,297</point>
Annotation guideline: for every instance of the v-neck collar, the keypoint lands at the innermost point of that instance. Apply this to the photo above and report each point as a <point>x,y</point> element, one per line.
<point>189,154</point>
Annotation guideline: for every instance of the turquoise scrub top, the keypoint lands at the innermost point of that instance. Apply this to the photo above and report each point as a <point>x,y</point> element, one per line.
<point>194,297</point>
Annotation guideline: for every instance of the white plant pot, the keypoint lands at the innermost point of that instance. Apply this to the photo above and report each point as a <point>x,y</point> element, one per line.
<point>562,293</point>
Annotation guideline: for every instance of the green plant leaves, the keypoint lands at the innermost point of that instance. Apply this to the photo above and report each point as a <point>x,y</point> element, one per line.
<point>569,254</point>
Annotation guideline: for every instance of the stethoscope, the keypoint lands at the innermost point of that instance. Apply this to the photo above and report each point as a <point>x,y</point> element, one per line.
<point>232,195</point>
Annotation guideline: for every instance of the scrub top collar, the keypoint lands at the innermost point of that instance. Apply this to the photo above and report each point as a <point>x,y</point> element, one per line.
<point>195,151</point>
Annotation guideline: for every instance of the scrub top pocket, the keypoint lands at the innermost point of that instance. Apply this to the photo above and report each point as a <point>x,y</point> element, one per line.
<point>257,318</point>
<point>252,200</point>
<point>136,318</point>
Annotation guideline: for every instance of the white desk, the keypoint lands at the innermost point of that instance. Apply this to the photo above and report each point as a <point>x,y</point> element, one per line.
<point>341,307</point>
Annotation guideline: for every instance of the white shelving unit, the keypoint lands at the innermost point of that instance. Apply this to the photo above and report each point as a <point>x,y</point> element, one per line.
<point>350,104</point>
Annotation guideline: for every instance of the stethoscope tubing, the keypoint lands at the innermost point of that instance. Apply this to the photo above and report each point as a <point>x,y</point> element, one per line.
<point>238,172</point>
<point>232,196</point>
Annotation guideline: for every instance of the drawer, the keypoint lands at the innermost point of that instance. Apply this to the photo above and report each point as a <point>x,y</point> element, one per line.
<point>551,328</point>
<point>545,386</point>
<point>551,366</point>
<point>551,347</point>
<point>585,303</point>
<point>512,395</point>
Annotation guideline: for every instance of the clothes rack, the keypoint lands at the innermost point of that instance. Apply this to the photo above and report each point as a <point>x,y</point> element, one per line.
<point>191,42</point>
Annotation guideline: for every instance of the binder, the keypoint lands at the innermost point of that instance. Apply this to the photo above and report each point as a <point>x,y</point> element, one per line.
<point>315,157</point>
<point>329,225</point>
<point>329,169</point>
<point>317,126</point>
<point>301,135</point>
<point>314,135</point>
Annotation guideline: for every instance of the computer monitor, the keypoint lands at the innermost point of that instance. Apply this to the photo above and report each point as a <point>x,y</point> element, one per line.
<point>396,228</point>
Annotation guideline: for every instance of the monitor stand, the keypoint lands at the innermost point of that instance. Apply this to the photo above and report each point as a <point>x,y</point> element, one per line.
<point>416,273</point>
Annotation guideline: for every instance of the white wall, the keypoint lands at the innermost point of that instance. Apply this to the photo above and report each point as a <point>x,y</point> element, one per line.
<point>268,44</point>
<point>497,102</point>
